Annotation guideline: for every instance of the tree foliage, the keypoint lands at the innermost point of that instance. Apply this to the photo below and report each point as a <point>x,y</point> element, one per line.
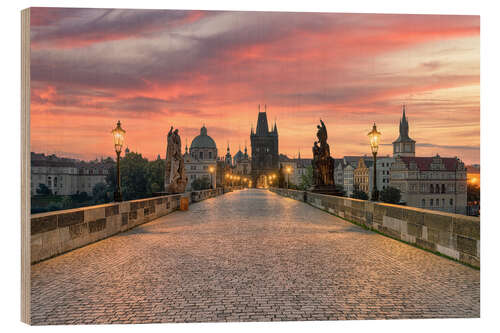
<point>140,178</point>
<point>43,190</point>
<point>358,194</point>
<point>390,195</point>
<point>100,193</point>
<point>201,183</point>
<point>156,175</point>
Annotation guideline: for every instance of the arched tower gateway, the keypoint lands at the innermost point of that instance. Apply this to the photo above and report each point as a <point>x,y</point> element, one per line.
<point>403,146</point>
<point>265,155</point>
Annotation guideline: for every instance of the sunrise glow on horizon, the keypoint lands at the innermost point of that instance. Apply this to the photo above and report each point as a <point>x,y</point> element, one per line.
<point>152,69</point>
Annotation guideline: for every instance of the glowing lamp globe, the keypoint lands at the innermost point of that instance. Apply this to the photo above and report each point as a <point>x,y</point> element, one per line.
<point>118,137</point>
<point>374,138</point>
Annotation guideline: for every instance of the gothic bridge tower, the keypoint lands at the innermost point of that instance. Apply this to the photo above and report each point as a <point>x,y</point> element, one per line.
<point>265,155</point>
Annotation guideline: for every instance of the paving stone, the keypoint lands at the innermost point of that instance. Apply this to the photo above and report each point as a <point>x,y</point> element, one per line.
<point>249,255</point>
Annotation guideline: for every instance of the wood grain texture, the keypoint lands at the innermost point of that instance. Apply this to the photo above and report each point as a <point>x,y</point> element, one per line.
<point>25,169</point>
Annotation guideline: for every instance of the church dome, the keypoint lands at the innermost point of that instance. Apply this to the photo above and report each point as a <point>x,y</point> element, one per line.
<point>203,140</point>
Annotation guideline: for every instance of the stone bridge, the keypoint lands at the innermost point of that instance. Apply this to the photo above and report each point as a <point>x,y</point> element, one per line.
<point>249,255</point>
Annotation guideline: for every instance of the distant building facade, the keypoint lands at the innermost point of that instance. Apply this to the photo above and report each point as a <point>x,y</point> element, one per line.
<point>64,176</point>
<point>346,168</point>
<point>363,179</point>
<point>201,157</point>
<point>265,155</point>
<point>384,172</point>
<point>437,183</point>
<point>345,173</point>
<point>242,164</point>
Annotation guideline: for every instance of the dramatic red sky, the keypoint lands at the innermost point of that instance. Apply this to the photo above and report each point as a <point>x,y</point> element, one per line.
<point>152,69</point>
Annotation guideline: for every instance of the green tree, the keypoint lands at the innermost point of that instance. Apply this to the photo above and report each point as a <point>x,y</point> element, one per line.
<point>156,175</point>
<point>100,193</point>
<point>111,177</point>
<point>306,179</point>
<point>358,194</point>
<point>80,197</point>
<point>134,176</point>
<point>43,190</point>
<point>67,203</point>
<point>202,183</point>
<point>390,195</point>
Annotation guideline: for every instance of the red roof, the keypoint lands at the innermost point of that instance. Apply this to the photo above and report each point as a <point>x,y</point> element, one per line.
<point>424,163</point>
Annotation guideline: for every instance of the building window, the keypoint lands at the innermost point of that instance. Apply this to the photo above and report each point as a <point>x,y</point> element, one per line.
<point>210,155</point>
<point>431,203</point>
<point>442,202</point>
<point>432,189</point>
<point>201,155</point>
<point>451,202</point>
<point>443,189</point>
<point>423,202</point>
<point>437,202</point>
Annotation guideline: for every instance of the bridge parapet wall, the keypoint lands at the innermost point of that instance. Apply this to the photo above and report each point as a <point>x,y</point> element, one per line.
<point>456,236</point>
<point>57,232</point>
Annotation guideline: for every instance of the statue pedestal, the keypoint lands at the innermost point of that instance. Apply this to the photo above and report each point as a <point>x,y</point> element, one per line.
<point>326,189</point>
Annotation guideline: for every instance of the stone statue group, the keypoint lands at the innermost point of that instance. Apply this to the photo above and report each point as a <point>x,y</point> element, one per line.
<point>322,163</point>
<point>175,173</point>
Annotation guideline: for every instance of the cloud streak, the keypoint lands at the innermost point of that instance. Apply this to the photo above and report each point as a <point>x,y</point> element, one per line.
<point>191,67</point>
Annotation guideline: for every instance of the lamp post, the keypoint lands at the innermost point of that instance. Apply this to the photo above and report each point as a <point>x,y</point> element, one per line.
<point>288,171</point>
<point>118,138</point>
<point>374,142</point>
<point>211,170</point>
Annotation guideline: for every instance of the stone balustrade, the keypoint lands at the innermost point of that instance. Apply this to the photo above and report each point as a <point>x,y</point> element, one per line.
<point>57,232</point>
<point>456,236</point>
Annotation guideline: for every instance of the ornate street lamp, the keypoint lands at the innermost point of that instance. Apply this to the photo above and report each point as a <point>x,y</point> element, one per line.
<point>288,171</point>
<point>118,138</point>
<point>374,142</point>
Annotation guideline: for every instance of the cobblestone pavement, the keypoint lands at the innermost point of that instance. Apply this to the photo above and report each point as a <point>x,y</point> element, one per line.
<point>249,256</point>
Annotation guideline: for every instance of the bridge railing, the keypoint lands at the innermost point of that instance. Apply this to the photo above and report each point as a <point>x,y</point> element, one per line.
<point>456,236</point>
<point>57,232</point>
